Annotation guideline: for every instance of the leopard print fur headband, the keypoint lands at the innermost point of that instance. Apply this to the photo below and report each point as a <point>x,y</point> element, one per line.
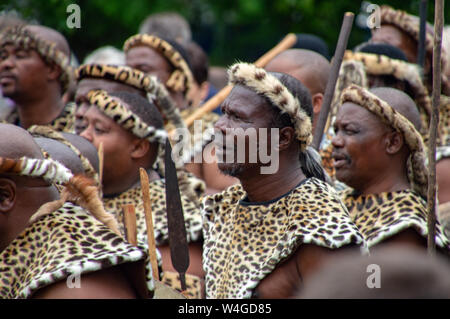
<point>261,82</point>
<point>375,64</point>
<point>417,169</point>
<point>181,78</point>
<point>21,37</point>
<point>114,109</point>
<point>45,131</point>
<point>137,79</point>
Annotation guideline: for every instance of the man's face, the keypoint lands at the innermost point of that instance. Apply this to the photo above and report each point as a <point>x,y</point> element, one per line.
<point>389,34</point>
<point>22,72</point>
<point>358,147</point>
<point>149,61</point>
<point>86,85</point>
<point>98,128</point>
<point>242,109</point>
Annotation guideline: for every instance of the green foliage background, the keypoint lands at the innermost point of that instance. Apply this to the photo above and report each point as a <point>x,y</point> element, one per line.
<point>228,30</point>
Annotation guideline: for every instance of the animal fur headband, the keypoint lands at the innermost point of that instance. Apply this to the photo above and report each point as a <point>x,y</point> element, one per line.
<point>417,170</point>
<point>21,37</point>
<point>375,64</point>
<point>114,109</point>
<point>181,78</point>
<point>137,79</point>
<point>78,189</point>
<point>411,25</point>
<point>261,82</point>
<point>45,131</point>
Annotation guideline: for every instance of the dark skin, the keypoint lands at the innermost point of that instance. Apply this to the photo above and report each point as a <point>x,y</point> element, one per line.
<point>88,84</point>
<point>443,180</point>
<point>124,155</point>
<point>308,67</point>
<point>149,61</point>
<point>20,198</point>
<point>370,157</point>
<point>396,37</point>
<point>245,109</point>
<point>31,83</point>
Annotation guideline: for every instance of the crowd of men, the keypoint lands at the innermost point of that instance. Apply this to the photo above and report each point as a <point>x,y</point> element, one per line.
<point>75,141</point>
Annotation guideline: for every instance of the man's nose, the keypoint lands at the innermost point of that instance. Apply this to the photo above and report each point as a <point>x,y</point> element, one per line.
<point>337,140</point>
<point>87,133</point>
<point>7,63</point>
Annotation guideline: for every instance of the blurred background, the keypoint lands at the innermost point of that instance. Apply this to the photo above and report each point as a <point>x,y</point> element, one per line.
<point>228,30</point>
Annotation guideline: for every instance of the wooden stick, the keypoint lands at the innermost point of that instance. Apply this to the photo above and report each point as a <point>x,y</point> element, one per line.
<point>145,186</point>
<point>287,42</point>
<point>431,194</point>
<point>100,163</point>
<point>332,79</point>
<point>129,219</point>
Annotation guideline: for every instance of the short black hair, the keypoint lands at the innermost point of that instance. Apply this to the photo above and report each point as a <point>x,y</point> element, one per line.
<point>312,42</point>
<point>199,61</point>
<point>143,108</point>
<point>383,49</point>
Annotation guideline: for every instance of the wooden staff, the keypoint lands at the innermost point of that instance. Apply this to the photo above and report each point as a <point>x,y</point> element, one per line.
<point>129,218</point>
<point>100,163</point>
<point>287,42</point>
<point>332,79</point>
<point>149,222</point>
<point>431,194</point>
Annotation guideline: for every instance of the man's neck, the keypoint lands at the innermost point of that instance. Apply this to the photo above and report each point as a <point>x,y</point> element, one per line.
<point>391,181</point>
<point>39,111</point>
<point>266,187</point>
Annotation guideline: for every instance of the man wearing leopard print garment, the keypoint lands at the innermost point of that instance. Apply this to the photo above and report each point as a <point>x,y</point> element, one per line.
<point>170,62</point>
<point>35,73</point>
<point>265,237</point>
<point>112,78</point>
<point>379,153</point>
<point>401,29</point>
<point>131,130</point>
<point>43,257</point>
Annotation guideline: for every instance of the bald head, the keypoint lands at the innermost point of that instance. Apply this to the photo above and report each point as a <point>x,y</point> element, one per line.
<point>61,153</point>
<point>400,102</point>
<point>16,142</point>
<point>309,67</point>
<point>86,148</point>
<point>51,36</point>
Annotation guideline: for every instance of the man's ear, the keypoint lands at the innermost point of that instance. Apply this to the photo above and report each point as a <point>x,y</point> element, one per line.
<point>54,71</point>
<point>139,148</point>
<point>287,136</point>
<point>394,141</point>
<point>7,195</point>
<point>317,100</point>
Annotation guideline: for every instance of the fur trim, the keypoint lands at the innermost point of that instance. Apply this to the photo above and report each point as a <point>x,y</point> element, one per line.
<point>418,170</point>
<point>125,118</point>
<point>411,25</point>
<point>45,131</point>
<point>181,78</point>
<point>261,82</point>
<point>23,38</point>
<point>403,71</point>
<point>138,80</point>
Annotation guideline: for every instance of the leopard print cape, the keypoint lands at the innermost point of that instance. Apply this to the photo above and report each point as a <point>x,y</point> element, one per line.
<point>193,224</point>
<point>244,242</point>
<point>67,242</point>
<point>380,216</point>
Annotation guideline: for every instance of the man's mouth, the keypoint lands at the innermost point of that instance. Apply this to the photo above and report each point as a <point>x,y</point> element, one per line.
<point>6,78</point>
<point>340,160</point>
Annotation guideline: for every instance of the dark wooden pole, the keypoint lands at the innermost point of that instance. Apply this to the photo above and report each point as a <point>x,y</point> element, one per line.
<point>431,195</point>
<point>332,79</point>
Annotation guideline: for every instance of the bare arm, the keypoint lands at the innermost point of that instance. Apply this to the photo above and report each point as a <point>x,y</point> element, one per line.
<point>109,283</point>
